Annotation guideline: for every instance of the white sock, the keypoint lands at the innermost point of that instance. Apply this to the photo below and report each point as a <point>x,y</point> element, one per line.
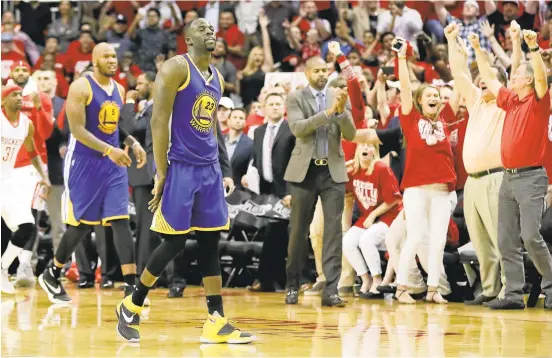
<point>9,255</point>
<point>25,257</point>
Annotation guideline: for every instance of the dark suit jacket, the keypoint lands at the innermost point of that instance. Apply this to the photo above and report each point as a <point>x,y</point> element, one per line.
<point>281,153</point>
<point>136,124</point>
<point>241,158</point>
<point>56,140</point>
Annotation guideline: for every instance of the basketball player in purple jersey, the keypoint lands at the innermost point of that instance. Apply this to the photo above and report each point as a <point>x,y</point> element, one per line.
<point>189,189</point>
<point>95,174</point>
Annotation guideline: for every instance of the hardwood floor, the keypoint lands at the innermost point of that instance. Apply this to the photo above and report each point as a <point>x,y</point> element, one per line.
<point>31,326</point>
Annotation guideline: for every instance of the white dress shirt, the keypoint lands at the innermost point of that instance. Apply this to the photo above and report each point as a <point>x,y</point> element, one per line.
<point>267,152</point>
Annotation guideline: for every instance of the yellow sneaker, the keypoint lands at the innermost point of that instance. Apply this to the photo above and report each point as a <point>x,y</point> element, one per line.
<point>128,315</point>
<point>218,329</point>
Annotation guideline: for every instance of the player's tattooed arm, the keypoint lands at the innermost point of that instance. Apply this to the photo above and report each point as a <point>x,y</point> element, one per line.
<point>172,75</point>
<point>30,147</point>
<point>76,115</point>
<point>75,108</point>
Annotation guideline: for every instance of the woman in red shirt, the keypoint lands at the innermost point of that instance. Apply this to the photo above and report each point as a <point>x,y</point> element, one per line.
<point>428,179</point>
<point>378,197</point>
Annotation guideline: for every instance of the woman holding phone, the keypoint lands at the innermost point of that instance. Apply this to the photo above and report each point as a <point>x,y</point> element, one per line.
<point>429,178</point>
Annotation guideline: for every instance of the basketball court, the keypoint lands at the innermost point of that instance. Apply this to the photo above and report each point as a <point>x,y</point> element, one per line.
<point>31,326</point>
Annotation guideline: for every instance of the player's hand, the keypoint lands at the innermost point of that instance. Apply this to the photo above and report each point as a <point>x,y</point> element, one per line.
<point>157,193</point>
<point>229,185</point>
<point>286,200</point>
<point>474,40</point>
<point>514,30</point>
<point>369,221</point>
<point>119,157</point>
<point>334,48</point>
<point>451,31</point>
<point>47,186</point>
<point>140,154</point>
<point>530,38</point>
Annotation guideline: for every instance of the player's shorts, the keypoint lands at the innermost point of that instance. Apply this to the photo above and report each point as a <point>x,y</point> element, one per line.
<point>17,193</point>
<point>96,190</point>
<point>193,200</point>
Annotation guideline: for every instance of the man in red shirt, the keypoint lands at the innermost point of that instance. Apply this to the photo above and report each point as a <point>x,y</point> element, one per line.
<point>521,197</point>
<point>79,57</point>
<point>235,39</point>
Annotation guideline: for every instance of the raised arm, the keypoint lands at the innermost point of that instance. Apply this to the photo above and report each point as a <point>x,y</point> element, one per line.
<point>404,80</point>
<point>44,114</point>
<point>539,69</point>
<point>172,75</point>
<point>515,35</point>
<point>489,31</point>
<point>459,63</point>
<point>441,11</point>
<point>485,69</point>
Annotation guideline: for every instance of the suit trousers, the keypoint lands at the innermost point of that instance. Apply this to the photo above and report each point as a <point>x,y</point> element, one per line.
<point>317,182</point>
<point>317,231</point>
<point>146,240</point>
<point>481,215</point>
<point>520,207</point>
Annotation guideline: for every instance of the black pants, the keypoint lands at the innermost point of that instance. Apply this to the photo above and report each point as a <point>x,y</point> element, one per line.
<point>146,240</point>
<point>317,182</point>
<point>272,263</point>
<point>86,255</point>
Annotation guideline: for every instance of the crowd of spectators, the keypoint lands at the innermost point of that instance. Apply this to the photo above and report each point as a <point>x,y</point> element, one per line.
<point>257,38</point>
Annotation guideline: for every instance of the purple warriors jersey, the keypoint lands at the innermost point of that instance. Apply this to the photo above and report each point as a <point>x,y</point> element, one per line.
<point>192,138</point>
<point>102,117</point>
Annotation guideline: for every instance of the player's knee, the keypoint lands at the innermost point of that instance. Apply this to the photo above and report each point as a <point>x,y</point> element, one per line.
<point>23,234</point>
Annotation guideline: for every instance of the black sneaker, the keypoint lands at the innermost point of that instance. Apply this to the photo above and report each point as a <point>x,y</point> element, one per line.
<point>53,287</point>
<point>128,326</point>
<point>175,292</point>
<point>86,283</point>
<point>107,284</point>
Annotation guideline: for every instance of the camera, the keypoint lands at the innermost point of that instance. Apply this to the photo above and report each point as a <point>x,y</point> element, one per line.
<point>398,45</point>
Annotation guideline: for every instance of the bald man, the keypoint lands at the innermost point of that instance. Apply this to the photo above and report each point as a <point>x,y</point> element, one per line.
<point>318,118</point>
<point>95,173</point>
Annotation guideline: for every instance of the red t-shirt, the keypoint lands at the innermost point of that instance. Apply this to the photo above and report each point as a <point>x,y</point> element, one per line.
<point>372,190</point>
<point>457,130</point>
<point>121,77</point>
<point>43,122</point>
<point>77,61</point>
<point>525,135</point>
<point>426,164</point>
<point>61,59</point>
<point>233,37</point>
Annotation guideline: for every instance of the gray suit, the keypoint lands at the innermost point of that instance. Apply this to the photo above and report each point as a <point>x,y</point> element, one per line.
<point>308,181</point>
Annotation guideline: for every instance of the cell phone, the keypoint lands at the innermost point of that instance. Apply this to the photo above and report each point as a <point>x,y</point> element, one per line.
<point>398,45</point>
<point>388,70</point>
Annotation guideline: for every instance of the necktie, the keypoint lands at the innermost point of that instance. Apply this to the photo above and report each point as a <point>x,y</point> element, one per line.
<point>271,136</point>
<point>321,144</point>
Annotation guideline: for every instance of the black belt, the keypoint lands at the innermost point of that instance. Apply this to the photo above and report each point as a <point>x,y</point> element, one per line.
<point>522,170</point>
<point>320,162</point>
<point>485,173</point>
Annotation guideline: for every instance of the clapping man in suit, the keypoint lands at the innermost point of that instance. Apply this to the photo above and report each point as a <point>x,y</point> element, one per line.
<point>238,145</point>
<point>273,143</point>
<point>317,117</point>
<point>141,179</point>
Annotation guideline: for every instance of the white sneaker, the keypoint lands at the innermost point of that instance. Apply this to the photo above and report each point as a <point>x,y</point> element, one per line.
<point>25,276</point>
<point>7,286</point>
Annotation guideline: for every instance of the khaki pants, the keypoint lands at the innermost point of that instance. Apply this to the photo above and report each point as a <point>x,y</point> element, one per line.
<point>481,214</point>
<point>317,232</point>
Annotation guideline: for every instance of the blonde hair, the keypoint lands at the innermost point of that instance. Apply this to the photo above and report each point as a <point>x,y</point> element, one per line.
<point>356,159</point>
<point>250,67</point>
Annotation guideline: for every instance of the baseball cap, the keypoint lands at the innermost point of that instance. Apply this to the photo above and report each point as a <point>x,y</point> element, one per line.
<point>121,19</point>
<point>7,37</point>
<point>226,102</point>
<point>512,1</point>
